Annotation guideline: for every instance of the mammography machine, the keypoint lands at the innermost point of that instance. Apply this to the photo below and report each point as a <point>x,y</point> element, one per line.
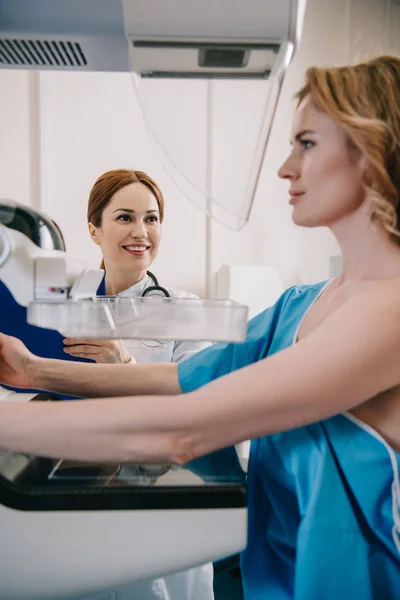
<point>69,530</point>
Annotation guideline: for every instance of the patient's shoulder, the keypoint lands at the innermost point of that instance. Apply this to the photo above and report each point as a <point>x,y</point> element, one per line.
<point>371,314</point>
<point>381,296</point>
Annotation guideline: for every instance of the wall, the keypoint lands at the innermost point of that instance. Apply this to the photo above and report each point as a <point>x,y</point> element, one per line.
<point>90,123</point>
<point>16,140</point>
<point>93,124</point>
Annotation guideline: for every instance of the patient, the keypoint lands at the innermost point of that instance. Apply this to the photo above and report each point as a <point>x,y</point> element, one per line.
<point>316,385</point>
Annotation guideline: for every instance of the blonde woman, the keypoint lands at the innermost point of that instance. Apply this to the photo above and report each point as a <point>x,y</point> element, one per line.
<point>316,386</point>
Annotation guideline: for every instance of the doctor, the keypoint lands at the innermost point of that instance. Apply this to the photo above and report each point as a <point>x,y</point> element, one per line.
<point>125,212</point>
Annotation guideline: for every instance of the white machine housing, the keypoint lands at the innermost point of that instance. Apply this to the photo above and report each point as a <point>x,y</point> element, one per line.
<point>178,38</point>
<point>33,273</point>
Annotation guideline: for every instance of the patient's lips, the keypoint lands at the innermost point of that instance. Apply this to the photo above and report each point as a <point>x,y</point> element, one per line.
<point>294,195</point>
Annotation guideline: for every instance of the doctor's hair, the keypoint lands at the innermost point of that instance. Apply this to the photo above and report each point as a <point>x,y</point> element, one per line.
<point>365,100</point>
<point>109,184</point>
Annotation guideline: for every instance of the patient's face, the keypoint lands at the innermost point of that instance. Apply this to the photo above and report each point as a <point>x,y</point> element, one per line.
<point>324,170</point>
<point>130,231</point>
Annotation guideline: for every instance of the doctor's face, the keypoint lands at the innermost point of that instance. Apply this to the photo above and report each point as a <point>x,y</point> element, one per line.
<point>130,231</point>
<point>324,170</point>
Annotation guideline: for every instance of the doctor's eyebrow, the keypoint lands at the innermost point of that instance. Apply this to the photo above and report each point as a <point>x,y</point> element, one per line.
<point>300,134</point>
<point>129,210</point>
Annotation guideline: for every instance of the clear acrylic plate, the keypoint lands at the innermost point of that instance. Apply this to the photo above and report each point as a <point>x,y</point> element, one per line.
<point>74,473</point>
<point>151,318</point>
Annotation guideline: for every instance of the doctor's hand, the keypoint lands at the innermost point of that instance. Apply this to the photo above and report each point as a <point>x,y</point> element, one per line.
<point>101,351</point>
<point>15,362</point>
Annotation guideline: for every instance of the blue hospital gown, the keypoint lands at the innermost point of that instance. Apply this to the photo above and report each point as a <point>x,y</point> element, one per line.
<point>323,500</point>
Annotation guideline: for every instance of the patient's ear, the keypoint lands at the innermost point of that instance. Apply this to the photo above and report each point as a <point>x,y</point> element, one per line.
<point>363,164</point>
<point>94,233</point>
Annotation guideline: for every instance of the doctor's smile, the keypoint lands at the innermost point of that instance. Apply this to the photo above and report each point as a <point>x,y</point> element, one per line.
<point>137,249</point>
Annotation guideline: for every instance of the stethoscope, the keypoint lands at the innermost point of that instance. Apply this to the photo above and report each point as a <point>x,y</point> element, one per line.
<point>156,289</point>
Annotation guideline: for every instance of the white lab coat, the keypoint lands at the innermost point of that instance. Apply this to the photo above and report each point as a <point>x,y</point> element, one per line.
<point>195,583</point>
<point>169,352</point>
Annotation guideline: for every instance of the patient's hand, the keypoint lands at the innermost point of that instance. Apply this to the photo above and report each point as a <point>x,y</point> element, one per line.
<point>101,351</point>
<point>15,360</point>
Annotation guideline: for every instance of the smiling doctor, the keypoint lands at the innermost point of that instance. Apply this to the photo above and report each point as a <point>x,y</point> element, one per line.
<point>125,213</point>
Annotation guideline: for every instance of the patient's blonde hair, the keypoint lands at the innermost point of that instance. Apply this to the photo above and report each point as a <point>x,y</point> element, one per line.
<point>365,100</point>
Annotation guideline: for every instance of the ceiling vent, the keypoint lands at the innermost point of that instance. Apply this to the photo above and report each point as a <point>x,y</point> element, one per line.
<point>41,53</point>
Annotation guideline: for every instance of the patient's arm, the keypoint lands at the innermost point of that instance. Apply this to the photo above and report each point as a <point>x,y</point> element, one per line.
<point>354,355</point>
<point>101,380</point>
<point>20,368</point>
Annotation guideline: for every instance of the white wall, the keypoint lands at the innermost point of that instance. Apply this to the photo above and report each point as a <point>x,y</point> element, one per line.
<point>15,136</point>
<point>91,123</point>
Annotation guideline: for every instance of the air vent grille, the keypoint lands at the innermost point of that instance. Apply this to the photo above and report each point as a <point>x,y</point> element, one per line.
<point>41,53</point>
